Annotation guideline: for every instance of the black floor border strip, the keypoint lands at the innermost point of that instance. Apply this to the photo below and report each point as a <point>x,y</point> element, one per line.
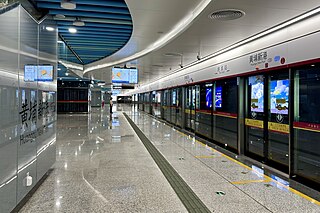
<point>189,199</point>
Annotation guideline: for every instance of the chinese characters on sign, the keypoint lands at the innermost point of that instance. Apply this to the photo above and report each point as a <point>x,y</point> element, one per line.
<point>258,58</point>
<point>30,110</point>
<point>222,69</point>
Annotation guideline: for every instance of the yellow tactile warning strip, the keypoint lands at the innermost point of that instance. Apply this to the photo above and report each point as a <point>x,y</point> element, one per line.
<point>265,176</point>
<point>251,181</point>
<point>205,156</point>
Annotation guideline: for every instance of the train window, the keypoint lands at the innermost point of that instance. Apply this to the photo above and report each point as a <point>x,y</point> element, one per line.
<point>226,94</point>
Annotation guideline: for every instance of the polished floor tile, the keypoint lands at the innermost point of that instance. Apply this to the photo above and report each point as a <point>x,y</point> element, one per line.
<point>102,166</point>
<point>207,172</point>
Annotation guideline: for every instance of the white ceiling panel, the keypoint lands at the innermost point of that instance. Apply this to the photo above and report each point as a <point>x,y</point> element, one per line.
<point>205,35</point>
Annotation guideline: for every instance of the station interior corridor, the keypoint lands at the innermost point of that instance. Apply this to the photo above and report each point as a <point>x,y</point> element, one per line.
<point>103,166</point>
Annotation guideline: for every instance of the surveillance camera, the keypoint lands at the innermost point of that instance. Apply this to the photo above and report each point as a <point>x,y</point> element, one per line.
<point>199,57</point>
<point>181,66</point>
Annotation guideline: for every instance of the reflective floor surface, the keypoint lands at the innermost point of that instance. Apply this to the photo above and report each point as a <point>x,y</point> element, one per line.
<point>102,166</point>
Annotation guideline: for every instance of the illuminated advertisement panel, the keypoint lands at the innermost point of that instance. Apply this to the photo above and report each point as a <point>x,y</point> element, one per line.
<point>279,96</point>
<point>257,88</point>
<point>218,97</point>
<point>208,97</point>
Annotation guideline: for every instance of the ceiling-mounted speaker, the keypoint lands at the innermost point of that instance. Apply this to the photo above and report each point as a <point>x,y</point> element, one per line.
<point>67,4</point>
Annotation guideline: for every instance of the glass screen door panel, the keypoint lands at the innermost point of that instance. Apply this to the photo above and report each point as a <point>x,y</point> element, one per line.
<point>278,118</point>
<point>188,107</point>
<point>255,116</point>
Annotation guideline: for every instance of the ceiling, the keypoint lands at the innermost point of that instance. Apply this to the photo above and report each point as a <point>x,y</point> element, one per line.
<point>108,27</point>
<point>151,21</point>
<point>207,36</point>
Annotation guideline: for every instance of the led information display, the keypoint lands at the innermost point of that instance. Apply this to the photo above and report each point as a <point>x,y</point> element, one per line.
<point>38,73</point>
<point>125,75</point>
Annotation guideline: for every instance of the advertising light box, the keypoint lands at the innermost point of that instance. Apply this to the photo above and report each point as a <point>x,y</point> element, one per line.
<point>279,96</point>
<point>257,93</point>
<point>218,97</point>
<point>125,75</point>
<point>208,97</point>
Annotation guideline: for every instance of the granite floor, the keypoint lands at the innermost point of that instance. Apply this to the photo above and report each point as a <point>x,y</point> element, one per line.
<point>208,171</point>
<point>102,166</point>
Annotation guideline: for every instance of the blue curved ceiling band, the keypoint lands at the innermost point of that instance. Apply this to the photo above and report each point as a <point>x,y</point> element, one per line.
<point>108,27</point>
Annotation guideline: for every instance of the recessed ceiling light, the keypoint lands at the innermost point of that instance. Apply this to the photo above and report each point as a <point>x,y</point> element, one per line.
<point>59,69</point>
<point>67,74</point>
<point>72,30</point>
<point>78,22</point>
<point>69,5</point>
<point>49,28</point>
<point>313,65</point>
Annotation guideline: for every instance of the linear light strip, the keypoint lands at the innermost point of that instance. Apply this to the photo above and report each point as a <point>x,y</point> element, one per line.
<point>245,41</point>
<point>177,29</point>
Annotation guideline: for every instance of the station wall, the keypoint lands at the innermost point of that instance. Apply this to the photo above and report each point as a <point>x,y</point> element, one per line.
<point>27,109</point>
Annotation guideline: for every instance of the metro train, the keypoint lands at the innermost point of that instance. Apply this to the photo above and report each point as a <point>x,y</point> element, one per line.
<point>259,99</point>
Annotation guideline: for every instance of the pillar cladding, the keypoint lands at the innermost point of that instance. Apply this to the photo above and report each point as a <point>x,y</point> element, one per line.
<point>27,104</point>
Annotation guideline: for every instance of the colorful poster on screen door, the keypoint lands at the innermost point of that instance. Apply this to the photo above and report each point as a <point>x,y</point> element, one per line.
<point>279,96</point>
<point>257,88</point>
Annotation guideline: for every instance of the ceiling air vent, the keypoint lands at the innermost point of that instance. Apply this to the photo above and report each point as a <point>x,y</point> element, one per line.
<point>226,14</point>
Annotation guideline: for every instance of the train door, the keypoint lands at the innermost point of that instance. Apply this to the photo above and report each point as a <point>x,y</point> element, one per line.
<point>267,119</point>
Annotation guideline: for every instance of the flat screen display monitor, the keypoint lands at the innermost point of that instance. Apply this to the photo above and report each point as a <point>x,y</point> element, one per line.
<point>257,93</point>
<point>208,97</point>
<point>279,96</point>
<point>218,97</point>
<point>45,73</point>
<point>125,75</point>
<point>30,73</point>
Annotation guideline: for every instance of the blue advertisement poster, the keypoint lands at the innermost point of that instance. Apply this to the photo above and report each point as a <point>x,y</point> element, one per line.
<point>208,97</point>
<point>257,86</point>
<point>218,97</point>
<point>279,96</point>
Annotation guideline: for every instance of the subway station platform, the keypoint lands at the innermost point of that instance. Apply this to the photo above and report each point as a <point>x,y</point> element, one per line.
<point>133,162</point>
